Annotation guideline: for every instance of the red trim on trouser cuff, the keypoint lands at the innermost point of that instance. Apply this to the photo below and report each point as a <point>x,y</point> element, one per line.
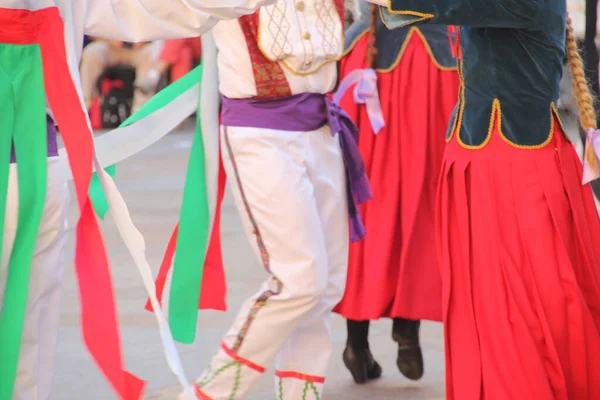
<point>298,375</point>
<point>241,360</point>
<point>201,395</point>
<point>98,315</point>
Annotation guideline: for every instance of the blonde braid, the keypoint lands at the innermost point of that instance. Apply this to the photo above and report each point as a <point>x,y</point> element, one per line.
<point>582,93</point>
<point>581,90</point>
<point>372,51</point>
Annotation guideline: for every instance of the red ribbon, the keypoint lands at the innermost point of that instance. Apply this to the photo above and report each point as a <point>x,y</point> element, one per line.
<point>98,313</point>
<point>213,291</point>
<point>454,38</point>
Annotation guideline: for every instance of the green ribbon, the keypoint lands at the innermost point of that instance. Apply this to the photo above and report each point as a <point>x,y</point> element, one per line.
<point>192,244</point>
<point>22,120</point>
<point>158,101</point>
<point>194,228</point>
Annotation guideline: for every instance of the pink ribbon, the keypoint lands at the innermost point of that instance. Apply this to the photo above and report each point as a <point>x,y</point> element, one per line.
<point>365,92</point>
<point>591,157</point>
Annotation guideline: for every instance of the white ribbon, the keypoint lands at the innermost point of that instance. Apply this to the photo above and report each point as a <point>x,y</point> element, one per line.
<point>591,156</point>
<point>209,118</point>
<point>122,143</point>
<point>135,243</point>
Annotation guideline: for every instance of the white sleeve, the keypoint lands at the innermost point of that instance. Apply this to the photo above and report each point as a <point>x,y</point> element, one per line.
<point>146,20</point>
<point>383,3</point>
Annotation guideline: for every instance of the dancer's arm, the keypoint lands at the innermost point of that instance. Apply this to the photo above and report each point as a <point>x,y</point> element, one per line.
<point>146,20</point>
<point>482,13</point>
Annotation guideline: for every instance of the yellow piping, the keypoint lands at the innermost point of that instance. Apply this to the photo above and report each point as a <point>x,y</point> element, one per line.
<point>422,16</point>
<point>409,35</point>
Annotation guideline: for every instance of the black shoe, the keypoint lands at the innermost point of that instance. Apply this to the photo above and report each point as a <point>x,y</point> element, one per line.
<point>410,357</point>
<point>361,365</point>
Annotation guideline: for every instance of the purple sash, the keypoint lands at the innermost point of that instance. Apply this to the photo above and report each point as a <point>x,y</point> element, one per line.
<point>308,112</point>
<point>51,137</point>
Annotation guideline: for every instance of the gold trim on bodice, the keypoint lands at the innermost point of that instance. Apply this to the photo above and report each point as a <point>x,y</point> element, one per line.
<point>412,31</point>
<point>494,118</point>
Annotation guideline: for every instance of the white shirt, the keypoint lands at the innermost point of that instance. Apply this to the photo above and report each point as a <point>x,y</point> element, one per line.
<point>306,38</point>
<point>135,20</point>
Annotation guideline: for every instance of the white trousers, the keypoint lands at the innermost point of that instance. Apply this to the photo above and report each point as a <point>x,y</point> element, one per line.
<point>290,189</point>
<point>38,344</point>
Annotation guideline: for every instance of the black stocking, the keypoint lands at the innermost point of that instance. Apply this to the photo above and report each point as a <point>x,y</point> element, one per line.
<point>358,334</point>
<point>405,328</point>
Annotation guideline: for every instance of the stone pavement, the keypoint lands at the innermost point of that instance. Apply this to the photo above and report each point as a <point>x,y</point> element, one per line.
<point>152,183</point>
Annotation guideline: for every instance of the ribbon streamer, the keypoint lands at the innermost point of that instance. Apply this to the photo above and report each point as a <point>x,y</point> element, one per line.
<point>591,158</point>
<point>163,113</point>
<point>21,90</point>
<point>213,291</point>
<point>199,205</point>
<point>98,311</point>
<point>454,38</point>
<point>200,273</point>
<point>135,243</point>
<point>365,92</point>
<point>159,116</point>
<point>152,122</point>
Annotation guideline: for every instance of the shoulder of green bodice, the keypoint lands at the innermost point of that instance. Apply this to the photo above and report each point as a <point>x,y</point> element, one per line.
<point>358,28</point>
<point>478,13</point>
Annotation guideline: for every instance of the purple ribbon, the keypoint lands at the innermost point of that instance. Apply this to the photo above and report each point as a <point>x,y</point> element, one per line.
<point>358,187</point>
<point>591,157</point>
<point>340,123</point>
<point>365,92</point>
<point>308,112</point>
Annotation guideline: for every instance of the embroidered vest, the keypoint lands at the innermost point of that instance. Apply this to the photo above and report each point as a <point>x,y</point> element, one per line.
<point>301,36</point>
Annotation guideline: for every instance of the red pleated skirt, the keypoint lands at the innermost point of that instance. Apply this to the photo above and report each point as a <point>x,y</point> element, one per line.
<point>394,272</point>
<point>519,246</point>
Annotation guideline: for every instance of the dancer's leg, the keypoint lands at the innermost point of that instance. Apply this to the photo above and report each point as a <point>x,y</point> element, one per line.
<point>36,360</point>
<point>302,363</point>
<point>275,196</point>
<point>410,358</point>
